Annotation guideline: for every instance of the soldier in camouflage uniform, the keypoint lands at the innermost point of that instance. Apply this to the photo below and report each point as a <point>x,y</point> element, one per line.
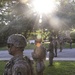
<point>60,39</point>
<point>17,65</point>
<point>51,51</point>
<point>39,56</point>
<point>55,42</point>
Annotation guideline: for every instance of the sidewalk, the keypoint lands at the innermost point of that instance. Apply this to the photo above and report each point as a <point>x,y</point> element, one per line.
<point>65,55</point>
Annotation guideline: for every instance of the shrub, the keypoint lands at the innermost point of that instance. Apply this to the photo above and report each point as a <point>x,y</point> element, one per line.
<point>73,35</point>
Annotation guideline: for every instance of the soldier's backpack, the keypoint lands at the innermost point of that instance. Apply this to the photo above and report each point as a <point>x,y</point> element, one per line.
<point>39,53</point>
<point>30,62</point>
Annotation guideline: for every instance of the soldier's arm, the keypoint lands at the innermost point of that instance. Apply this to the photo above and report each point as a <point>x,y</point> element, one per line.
<point>19,70</point>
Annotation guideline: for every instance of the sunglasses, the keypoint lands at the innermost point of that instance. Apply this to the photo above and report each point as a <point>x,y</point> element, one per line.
<point>10,45</point>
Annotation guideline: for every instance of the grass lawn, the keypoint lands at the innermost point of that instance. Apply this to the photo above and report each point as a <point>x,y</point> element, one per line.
<point>68,45</point>
<point>2,65</point>
<point>59,68</point>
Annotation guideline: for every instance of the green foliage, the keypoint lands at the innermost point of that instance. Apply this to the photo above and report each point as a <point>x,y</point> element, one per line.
<point>73,35</point>
<point>3,48</point>
<point>32,46</point>
<point>60,68</point>
<point>21,19</point>
<point>4,33</point>
<point>21,23</point>
<point>68,45</point>
<point>2,65</point>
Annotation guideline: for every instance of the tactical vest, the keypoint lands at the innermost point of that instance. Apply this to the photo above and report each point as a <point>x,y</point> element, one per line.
<point>30,62</point>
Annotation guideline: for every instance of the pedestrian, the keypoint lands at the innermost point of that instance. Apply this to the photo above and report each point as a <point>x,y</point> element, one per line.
<point>51,51</point>
<point>39,56</point>
<point>17,65</point>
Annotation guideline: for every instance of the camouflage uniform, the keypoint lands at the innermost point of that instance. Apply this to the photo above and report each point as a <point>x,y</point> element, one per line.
<point>17,65</point>
<point>39,59</point>
<point>55,46</point>
<point>60,38</point>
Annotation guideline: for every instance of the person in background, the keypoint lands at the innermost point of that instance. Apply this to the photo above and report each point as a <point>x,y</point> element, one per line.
<point>55,42</point>
<point>39,56</point>
<point>51,51</point>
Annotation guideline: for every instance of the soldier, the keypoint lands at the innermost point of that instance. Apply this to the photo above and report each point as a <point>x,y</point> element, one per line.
<point>55,42</point>
<point>39,55</point>
<point>54,35</point>
<point>17,65</point>
<point>51,51</point>
<point>60,39</point>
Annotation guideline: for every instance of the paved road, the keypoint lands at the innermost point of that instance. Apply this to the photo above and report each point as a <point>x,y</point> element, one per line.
<point>65,55</point>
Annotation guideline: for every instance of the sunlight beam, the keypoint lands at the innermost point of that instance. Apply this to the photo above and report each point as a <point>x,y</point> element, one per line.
<point>44,6</point>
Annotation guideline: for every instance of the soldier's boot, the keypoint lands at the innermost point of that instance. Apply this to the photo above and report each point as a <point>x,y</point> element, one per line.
<point>50,63</point>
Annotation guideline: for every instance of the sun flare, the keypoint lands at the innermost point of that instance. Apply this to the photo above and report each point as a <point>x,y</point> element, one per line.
<point>44,6</point>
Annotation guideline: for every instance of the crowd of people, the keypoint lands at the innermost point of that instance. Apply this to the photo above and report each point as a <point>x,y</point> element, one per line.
<point>22,65</point>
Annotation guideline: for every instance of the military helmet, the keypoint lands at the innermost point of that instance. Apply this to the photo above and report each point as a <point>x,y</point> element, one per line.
<point>17,40</point>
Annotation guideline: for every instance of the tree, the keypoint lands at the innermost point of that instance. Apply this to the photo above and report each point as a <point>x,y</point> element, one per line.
<point>15,18</point>
<point>66,14</point>
<point>19,17</point>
